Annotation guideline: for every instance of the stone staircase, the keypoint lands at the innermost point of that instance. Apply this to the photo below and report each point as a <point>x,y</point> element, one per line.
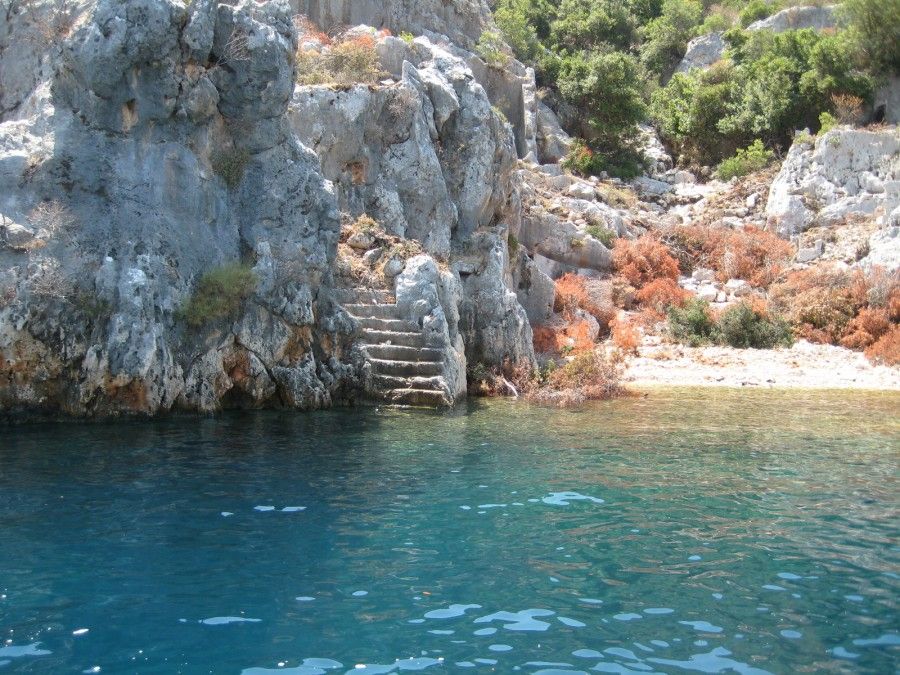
<point>401,369</point>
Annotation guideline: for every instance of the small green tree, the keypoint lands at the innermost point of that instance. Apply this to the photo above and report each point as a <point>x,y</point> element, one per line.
<point>584,25</point>
<point>665,38</point>
<point>692,324</point>
<point>754,157</point>
<point>745,328</point>
<point>875,26</point>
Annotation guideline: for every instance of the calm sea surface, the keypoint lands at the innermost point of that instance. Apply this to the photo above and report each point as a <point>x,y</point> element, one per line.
<point>691,531</point>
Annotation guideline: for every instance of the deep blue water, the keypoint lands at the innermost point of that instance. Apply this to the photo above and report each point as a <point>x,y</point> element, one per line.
<point>705,532</point>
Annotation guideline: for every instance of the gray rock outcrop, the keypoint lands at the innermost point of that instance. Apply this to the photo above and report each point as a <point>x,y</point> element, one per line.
<point>845,173</point>
<point>168,142</point>
<point>702,52</point>
<point>462,21</point>
<point>797,18</point>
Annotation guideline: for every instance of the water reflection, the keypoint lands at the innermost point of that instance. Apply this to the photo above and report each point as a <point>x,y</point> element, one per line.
<point>690,531</point>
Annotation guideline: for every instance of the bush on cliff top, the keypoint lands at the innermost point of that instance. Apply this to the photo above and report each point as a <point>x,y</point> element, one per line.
<point>345,62</point>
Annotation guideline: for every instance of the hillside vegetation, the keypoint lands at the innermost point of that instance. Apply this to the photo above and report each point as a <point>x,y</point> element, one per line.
<point>613,62</point>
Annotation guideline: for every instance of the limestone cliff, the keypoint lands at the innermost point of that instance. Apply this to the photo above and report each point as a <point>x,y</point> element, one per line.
<point>150,142</point>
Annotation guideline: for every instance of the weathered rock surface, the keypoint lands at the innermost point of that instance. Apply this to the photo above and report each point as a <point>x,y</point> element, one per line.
<point>170,141</point>
<point>702,52</point>
<point>796,18</point>
<point>846,173</point>
<point>462,21</point>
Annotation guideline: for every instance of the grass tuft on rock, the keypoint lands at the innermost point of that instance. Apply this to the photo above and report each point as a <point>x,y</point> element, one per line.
<point>220,293</point>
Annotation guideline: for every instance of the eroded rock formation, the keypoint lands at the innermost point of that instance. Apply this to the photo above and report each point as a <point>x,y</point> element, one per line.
<point>153,142</point>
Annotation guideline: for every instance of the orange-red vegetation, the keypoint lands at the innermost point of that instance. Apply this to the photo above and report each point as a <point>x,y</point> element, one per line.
<point>308,30</point>
<point>887,349</point>
<point>660,294</point>
<point>754,255</point>
<point>573,337</point>
<point>868,326</point>
<point>594,296</point>
<point>643,260</point>
<point>626,336</point>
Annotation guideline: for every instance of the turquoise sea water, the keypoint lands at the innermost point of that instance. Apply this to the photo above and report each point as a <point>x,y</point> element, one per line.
<point>689,531</point>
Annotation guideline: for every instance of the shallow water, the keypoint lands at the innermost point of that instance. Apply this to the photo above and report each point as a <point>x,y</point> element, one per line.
<point>704,531</point>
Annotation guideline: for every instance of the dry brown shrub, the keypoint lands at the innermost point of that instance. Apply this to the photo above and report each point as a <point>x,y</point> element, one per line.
<point>867,328</point>
<point>306,29</point>
<point>893,306</point>
<point>847,108</point>
<point>819,302</point>
<point>643,260</point>
<point>589,376</point>
<point>544,339</point>
<point>622,293</point>
<point>887,350</point>
<point>594,296</point>
<point>570,293</point>
<point>626,336</point>
<point>569,337</point>
<point>660,294</point>
<point>348,61</point>
<point>754,255</point>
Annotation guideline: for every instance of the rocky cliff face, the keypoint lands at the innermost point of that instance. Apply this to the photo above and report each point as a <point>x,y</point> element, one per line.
<point>152,142</point>
<point>843,176</point>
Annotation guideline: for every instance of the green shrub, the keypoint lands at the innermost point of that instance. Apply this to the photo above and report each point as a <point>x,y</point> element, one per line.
<point>754,157</point>
<point>229,164</point>
<point>666,37</point>
<point>601,234</point>
<point>582,160</point>
<point>743,327</point>
<point>688,110</point>
<point>492,49</point>
<point>827,122</point>
<point>775,83</point>
<point>625,162</point>
<point>512,243</point>
<point>407,37</point>
<point>219,294</point>
<point>518,31</point>
<point>609,85</point>
<point>875,28</point>
<point>592,24</point>
<point>754,11</point>
<point>692,324</point>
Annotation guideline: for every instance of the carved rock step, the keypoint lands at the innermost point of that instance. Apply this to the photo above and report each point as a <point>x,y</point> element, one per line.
<point>363,311</point>
<point>417,397</point>
<point>363,296</point>
<point>394,325</point>
<point>391,383</point>
<point>406,368</point>
<point>385,337</point>
<point>402,353</point>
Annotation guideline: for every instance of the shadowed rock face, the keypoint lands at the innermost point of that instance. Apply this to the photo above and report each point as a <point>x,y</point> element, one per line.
<point>462,21</point>
<point>168,141</point>
<point>147,102</point>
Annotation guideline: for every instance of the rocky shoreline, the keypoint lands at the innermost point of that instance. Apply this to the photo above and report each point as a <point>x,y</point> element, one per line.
<point>803,366</point>
<point>186,213</point>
